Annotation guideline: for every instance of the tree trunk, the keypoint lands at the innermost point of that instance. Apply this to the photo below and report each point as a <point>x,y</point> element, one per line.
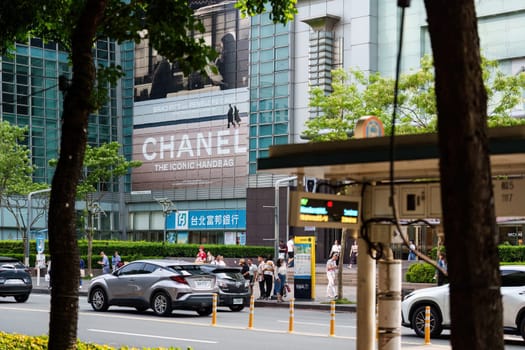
<point>62,225</point>
<point>466,186</point>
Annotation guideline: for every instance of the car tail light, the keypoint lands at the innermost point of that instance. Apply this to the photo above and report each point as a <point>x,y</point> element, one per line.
<point>179,279</point>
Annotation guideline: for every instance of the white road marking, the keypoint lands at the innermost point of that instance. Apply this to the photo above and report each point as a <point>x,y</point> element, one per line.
<point>153,336</point>
<point>316,324</point>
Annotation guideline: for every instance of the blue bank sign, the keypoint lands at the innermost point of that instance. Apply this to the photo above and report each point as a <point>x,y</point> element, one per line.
<point>220,219</point>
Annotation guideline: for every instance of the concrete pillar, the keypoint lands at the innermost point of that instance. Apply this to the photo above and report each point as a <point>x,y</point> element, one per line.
<point>366,298</point>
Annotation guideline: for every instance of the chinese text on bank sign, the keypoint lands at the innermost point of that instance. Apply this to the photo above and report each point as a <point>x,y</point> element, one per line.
<point>207,220</point>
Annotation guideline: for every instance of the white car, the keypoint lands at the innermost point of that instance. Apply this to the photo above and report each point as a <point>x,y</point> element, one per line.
<point>513,297</point>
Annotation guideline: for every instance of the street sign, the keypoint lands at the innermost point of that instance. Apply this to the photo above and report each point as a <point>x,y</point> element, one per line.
<point>40,243</point>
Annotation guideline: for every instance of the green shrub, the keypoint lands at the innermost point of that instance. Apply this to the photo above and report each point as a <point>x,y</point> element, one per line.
<point>25,342</point>
<point>130,251</point>
<point>420,273</point>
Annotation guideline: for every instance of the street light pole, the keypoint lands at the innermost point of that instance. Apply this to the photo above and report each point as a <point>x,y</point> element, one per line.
<point>29,219</point>
<point>167,207</point>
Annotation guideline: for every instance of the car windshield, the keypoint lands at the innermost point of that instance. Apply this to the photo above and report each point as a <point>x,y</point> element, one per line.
<point>512,278</point>
<point>11,265</point>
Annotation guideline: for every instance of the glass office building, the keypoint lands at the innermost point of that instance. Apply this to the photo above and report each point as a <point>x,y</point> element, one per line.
<point>31,98</point>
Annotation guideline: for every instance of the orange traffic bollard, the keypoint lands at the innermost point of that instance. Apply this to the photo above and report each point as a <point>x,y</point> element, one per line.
<point>214,310</point>
<point>332,318</point>
<point>290,323</point>
<point>427,325</point>
<point>252,307</point>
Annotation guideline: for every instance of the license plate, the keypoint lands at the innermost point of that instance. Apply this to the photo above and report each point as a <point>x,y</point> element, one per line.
<point>202,284</point>
<point>238,301</point>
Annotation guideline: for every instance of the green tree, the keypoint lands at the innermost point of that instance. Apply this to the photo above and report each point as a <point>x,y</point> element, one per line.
<point>101,164</point>
<point>76,25</point>
<point>16,172</point>
<point>356,94</point>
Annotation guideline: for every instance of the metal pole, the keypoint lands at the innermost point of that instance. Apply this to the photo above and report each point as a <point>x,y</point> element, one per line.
<point>29,219</point>
<point>276,214</point>
<point>332,317</point>
<point>252,307</point>
<point>214,310</point>
<point>290,321</point>
<point>427,325</point>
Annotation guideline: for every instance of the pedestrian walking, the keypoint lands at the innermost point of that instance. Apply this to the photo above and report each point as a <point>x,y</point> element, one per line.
<point>353,254</point>
<point>260,278</point>
<point>104,262</point>
<point>201,255</point>
<point>290,249</point>
<point>116,261</point>
<point>331,270</point>
<point>82,271</point>
<point>442,263</point>
<point>336,249</point>
<point>268,272</point>
<point>283,249</point>
<point>252,268</point>
<point>280,279</point>
<point>411,254</point>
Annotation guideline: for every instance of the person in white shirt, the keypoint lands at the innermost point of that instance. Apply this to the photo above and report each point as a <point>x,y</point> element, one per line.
<point>331,269</point>
<point>290,248</point>
<point>336,249</point>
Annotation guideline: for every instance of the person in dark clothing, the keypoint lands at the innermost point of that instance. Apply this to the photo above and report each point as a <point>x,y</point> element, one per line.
<point>230,116</point>
<point>236,116</point>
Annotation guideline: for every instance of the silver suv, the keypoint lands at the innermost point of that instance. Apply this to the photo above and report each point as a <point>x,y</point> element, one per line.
<point>162,285</point>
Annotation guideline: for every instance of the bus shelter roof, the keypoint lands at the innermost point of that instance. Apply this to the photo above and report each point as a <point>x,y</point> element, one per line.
<point>416,157</point>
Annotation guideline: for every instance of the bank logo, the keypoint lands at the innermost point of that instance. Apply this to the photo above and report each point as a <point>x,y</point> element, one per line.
<point>182,220</point>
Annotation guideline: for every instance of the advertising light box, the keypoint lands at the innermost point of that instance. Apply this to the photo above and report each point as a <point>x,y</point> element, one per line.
<point>324,210</point>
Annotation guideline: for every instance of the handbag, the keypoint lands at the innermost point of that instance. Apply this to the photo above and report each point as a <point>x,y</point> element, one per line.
<point>82,273</point>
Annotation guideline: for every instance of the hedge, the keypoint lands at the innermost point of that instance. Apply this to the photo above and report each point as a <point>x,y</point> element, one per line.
<point>420,273</point>
<point>130,251</point>
<point>25,342</point>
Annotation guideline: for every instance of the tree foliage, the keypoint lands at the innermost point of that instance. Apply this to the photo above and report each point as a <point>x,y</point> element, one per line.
<point>356,94</point>
<point>16,171</point>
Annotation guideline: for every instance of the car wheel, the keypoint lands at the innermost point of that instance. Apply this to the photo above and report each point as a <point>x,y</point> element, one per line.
<point>205,311</point>
<point>99,300</point>
<point>236,308</point>
<point>161,304</point>
<point>21,298</point>
<point>522,327</point>
<point>418,322</point>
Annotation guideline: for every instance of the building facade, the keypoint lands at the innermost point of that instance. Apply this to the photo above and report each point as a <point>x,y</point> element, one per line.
<point>31,98</point>
<point>197,160</point>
